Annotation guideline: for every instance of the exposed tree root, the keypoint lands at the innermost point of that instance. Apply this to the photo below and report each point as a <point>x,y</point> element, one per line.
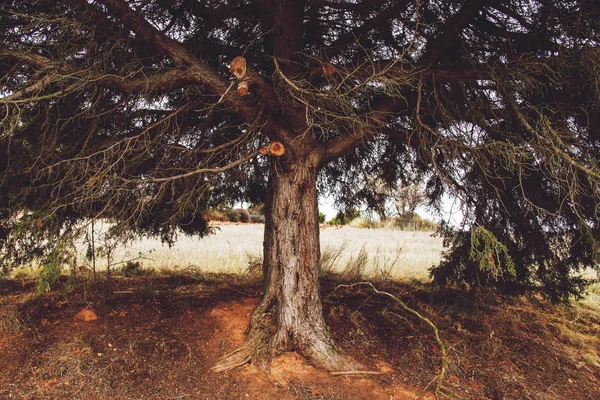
<point>240,356</point>
<point>439,389</point>
<point>265,343</point>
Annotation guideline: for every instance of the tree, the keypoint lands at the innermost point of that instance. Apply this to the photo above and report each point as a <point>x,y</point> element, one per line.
<point>409,197</point>
<point>126,109</point>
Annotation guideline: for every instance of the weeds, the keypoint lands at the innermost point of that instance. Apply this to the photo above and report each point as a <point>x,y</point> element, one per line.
<point>330,256</point>
<point>355,267</point>
<point>385,263</point>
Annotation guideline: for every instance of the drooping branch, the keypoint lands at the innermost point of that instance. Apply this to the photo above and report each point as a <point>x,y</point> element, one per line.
<point>198,70</point>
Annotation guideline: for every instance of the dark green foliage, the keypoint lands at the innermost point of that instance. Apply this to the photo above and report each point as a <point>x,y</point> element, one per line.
<point>126,111</point>
<point>322,218</point>
<point>233,215</point>
<point>345,217</point>
<point>132,268</point>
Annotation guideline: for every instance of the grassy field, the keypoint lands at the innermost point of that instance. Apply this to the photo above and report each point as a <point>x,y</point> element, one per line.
<point>394,253</point>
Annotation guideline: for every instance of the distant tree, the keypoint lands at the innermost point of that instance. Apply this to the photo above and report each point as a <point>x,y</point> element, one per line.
<point>408,198</point>
<point>128,110</point>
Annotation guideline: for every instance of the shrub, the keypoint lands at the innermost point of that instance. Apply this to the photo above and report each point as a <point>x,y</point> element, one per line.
<point>322,218</point>
<point>255,264</point>
<point>343,218</point>
<point>132,268</point>
<point>233,216</point>
<point>244,215</point>
<point>216,214</point>
<point>413,222</point>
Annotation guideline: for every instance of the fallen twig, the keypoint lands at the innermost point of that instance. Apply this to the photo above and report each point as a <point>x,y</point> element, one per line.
<point>338,373</point>
<point>440,377</point>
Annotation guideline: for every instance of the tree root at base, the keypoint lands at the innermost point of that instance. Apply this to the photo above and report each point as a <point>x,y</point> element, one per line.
<point>261,351</point>
<point>237,358</point>
<point>262,345</point>
<point>249,351</point>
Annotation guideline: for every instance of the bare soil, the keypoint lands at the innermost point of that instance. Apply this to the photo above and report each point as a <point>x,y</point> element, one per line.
<point>157,337</point>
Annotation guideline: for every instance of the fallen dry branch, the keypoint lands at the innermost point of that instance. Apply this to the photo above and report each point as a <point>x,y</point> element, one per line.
<point>340,373</point>
<point>439,389</point>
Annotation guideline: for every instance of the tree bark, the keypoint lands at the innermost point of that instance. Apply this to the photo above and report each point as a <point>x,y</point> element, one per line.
<point>289,316</point>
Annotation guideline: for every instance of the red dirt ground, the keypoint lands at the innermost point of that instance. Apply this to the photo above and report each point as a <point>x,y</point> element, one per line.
<point>156,337</point>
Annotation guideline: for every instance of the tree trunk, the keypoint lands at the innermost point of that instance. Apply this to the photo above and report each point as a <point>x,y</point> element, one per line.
<point>289,316</point>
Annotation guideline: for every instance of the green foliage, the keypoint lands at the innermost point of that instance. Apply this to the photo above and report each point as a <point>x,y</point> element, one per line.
<point>495,103</point>
<point>322,217</point>
<point>233,215</point>
<point>244,215</point>
<point>413,222</point>
<point>345,217</point>
<point>52,265</point>
<point>216,214</point>
<point>490,255</point>
<point>253,214</point>
<point>485,257</point>
<point>132,268</point>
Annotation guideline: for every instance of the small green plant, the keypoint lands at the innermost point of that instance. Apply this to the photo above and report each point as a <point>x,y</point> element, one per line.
<point>51,266</point>
<point>322,218</point>
<point>490,255</point>
<point>255,264</point>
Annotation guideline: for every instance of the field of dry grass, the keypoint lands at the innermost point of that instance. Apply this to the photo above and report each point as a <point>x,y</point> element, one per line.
<point>389,252</point>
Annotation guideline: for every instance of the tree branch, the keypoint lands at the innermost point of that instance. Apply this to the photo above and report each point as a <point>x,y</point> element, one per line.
<point>343,144</point>
<point>170,79</point>
<point>197,70</point>
<point>438,46</point>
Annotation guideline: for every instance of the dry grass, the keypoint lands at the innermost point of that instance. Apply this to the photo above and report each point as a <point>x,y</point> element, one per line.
<point>11,320</point>
<point>375,252</point>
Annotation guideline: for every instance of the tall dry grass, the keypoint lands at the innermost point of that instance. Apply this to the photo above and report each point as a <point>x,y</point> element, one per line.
<point>369,252</point>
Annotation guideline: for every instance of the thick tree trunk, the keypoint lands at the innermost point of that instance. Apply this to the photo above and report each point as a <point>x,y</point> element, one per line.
<point>289,316</point>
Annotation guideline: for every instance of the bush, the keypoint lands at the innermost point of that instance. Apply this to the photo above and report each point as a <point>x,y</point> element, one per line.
<point>244,215</point>
<point>132,268</point>
<point>216,214</point>
<point>414,222</point>
<point>365,223</point>
<point>255,264</point>
<point>322,218</point>
<point>253,214</point>
<point>343,218</point>
<point>233,216</point>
